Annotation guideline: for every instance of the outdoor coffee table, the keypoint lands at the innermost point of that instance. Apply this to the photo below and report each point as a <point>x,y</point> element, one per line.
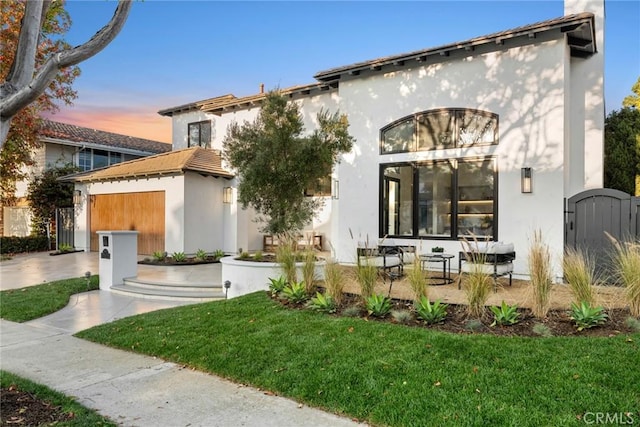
<point>445,259</point>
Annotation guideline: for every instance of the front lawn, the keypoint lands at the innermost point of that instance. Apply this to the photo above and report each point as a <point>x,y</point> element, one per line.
<point>388,374</point>
<point>32,302</point>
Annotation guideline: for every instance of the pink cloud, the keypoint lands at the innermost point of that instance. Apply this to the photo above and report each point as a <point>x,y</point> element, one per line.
<point>141,124</point>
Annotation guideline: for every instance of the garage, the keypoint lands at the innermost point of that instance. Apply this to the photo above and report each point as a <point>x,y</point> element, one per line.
<point>142,211</point>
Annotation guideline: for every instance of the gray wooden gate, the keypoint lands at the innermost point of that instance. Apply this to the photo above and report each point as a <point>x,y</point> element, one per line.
<point>592,213</point>
<point>65,224</point>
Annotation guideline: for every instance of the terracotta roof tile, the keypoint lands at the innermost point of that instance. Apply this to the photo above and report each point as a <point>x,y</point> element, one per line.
<point>78,134</point>
<point>194,159</point>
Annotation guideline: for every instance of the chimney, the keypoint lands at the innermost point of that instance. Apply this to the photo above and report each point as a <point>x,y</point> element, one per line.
<point>261,88</point>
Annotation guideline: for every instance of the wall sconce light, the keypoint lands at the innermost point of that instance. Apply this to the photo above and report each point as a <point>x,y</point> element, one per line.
<point>77,197</point>
<point>227,195</point>
<point>526,180</point>
<point>335,189</point>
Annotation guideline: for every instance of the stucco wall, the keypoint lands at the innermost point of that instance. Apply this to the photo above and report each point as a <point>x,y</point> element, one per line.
<point>173,186</point>
<point>524,86</point>
<point>203,225</point>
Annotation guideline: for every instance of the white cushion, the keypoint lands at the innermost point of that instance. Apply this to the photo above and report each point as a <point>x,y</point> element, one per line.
<point>380,261</point>
<point>491,247</point>
<point>469,267</point>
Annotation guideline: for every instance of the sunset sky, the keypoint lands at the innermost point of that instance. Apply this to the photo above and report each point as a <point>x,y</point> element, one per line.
<point>175,52</point>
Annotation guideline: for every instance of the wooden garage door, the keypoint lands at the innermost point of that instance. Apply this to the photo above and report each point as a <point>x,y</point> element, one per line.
<point>143,212</point>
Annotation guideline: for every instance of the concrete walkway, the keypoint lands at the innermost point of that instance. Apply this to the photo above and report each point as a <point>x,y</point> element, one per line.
<point>130,389</point>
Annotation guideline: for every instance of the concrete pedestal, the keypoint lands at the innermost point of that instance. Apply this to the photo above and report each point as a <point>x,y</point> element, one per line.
<point>118,257</point>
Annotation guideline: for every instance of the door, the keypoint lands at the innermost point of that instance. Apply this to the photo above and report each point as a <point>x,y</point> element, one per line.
<point>593,214</point>
<point>143,212</point>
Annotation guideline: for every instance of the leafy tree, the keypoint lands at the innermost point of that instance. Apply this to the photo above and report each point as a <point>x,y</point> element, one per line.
<point>28,75</point>
<point>45,194</point>
<point>276,162</point>
<point>633,100</point>
<point>622,150</point>
<point>22,137</point>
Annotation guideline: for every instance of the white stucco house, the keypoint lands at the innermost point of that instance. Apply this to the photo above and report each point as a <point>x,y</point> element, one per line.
<point>486,136</point>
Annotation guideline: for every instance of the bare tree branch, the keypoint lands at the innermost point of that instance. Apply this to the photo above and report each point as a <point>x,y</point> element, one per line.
<point>23,88</point>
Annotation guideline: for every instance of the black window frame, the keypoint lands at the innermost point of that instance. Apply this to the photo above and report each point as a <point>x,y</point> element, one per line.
<point>455,113</point>
<point>207,144</point>
<point>455,194</point>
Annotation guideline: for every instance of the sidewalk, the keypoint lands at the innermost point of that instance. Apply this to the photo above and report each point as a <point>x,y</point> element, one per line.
<point>130,389</point>
<point>136,390</point>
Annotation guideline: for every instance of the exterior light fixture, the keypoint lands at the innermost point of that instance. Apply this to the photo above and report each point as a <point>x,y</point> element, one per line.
<point>227,195</point>
<point>77,197</point>
<point>526,180</point>
<point>335,190</point>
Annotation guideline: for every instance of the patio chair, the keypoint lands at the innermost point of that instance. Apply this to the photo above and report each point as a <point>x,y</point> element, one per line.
<point>492,258</point>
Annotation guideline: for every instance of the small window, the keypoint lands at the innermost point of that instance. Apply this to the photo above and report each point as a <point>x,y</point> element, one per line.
<point>321,188</point>
<point>200,134</point>
<point>84,160</point>
<point>100,159</point>
<point>399,137</point>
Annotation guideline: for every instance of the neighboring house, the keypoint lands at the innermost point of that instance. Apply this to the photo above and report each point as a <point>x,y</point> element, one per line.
<point>486,136</point>
<point>86,148</point>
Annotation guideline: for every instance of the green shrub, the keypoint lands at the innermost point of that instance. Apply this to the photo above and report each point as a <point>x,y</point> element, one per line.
<point>179,257</point>
<point>286,257</point>
<point>277,285</point>
<point>542,330</point>
<point>65,247</point>
<point>627,263</point>
<point>586,316</point>
<point>431,313</point>
<point>159,256</point>
<point>579,273</point>
<point>201,254</point>
<point>477,287</point>
<point>402,316</point>
<point>334,280</point>
<point>417,280</point>
<point>218,253</point>
<point>323,303</point>
<point>18,245</point>
<point>540,275</point>
<point>632,323</point>
<point>366,275</point>
<point>505,314</point>
<point>378,305</point>
<point>257,256</point>
<point>295,292</point>
<point>244,255</point>
<point>352,311</point>
<point>309,270</point>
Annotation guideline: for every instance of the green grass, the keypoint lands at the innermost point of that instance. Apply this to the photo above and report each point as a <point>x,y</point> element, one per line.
<point>82,415</point>
<point>390,374</point>
<point>32,302</point>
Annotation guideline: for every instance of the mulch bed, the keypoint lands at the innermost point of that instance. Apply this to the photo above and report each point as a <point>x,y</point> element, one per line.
<point>20,408</point>
<point>187,261</point>
<point>458,321</point>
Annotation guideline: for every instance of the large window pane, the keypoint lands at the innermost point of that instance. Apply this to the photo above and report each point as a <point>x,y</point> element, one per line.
<point>100,159</point>
<point>434,199</point>
<point>398,201</point>
<point>475,198</point>
<point>399,137</point>
<point>436,130</point>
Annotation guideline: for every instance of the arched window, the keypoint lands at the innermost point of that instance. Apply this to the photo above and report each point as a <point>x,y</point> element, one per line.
<point>440,129</point>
